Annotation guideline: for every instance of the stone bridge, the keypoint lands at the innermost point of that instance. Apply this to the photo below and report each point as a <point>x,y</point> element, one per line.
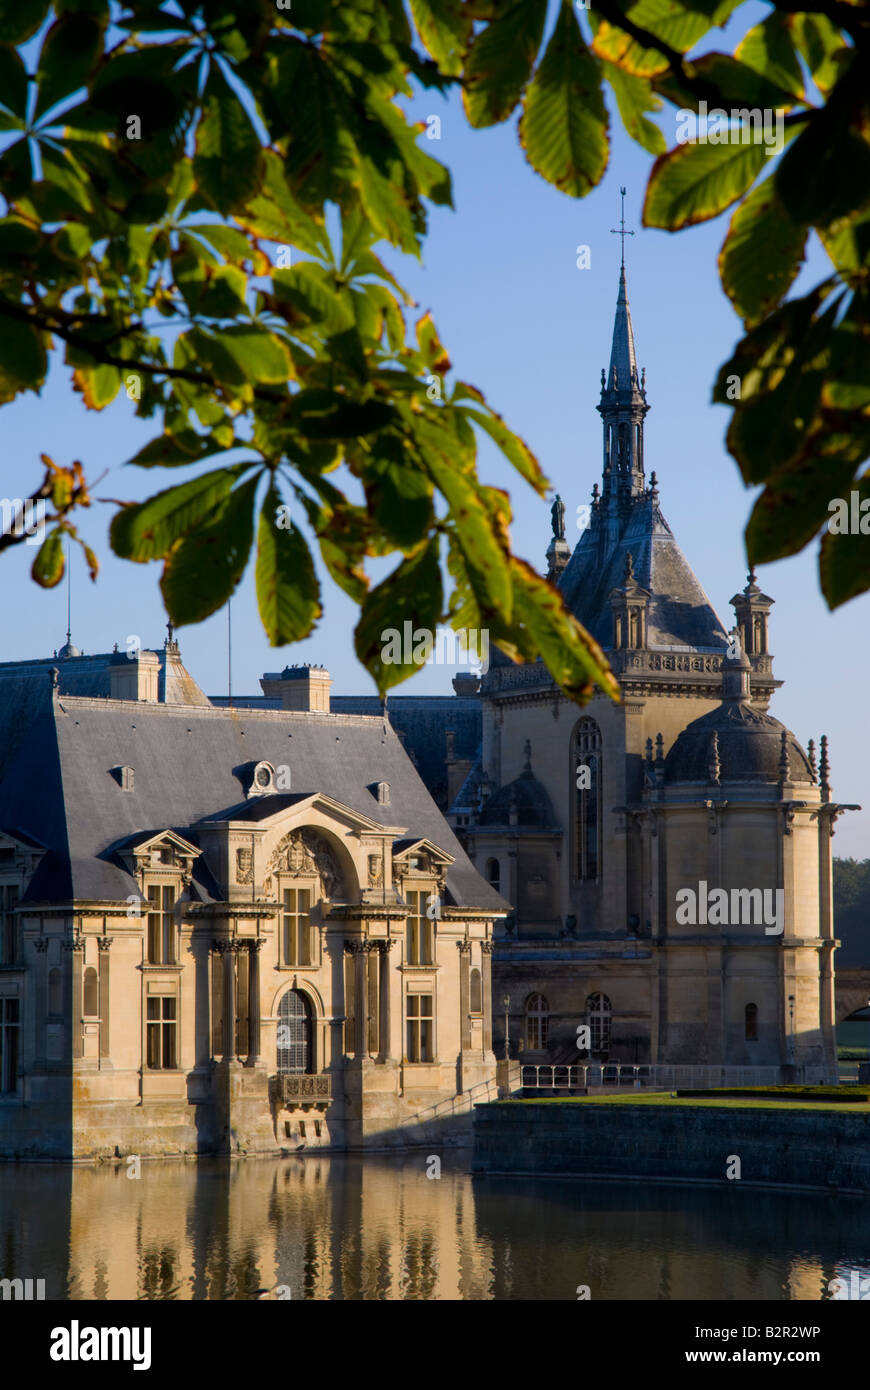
<point>851,990</point>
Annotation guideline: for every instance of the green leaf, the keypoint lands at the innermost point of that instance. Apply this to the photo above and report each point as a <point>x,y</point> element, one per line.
<point>793,507</point>
<point>768,49</point>
<point>20,21</point>
<point>16,170</point>
<point>761,254</point>
<point>70,51</point>
<point>13,81</point>
<point>23,361</point>
<point>412,594</point>
<point>175,448</point>
<point>695,182</point>
<point>276,215</point>
<point>328,415</point>
<point>205,567</point>
<point>500,60</point>
<point>514,449</point>
<point>823,46</point>
<point>148,530</point>
<point>227,162</point>
<point>742,87</point>
<point>563,128</point>
<point>307,289</point>
<point>288,593</point>
<point>819,181</point>
<point>844,559</point>
<point>445,29</point>
<point>847,242</point>
<point>398,496</point>
<point>634,97</point>
<point>679,25</point>
<point>573,658</point>
<point>99,385</point>
<point>48,565</point>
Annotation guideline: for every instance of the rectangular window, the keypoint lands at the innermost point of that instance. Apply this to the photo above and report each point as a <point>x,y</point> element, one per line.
<point>10,1023</point>
<point>421,1028</point>
<point>420,940</point>
<point>161,925</point>
<point>161,1025</point>
<point>10,946</point>
<point>296,935</point>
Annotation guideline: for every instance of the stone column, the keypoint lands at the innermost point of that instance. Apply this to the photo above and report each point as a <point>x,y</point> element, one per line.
<point>40,945</point>
<point>360,998</point>
<point>227,950</point>
<point>384,948</point>
<point>464,994</point>
<point>103,944</point>
<point>73,990</point>
<point>254,1058</point>
<point>486,983</point>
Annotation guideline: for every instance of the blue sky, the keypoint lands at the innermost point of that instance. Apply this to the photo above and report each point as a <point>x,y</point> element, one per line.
<point>523,324</point>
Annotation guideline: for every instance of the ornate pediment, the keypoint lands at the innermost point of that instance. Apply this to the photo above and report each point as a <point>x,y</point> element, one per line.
<point>305,853</point>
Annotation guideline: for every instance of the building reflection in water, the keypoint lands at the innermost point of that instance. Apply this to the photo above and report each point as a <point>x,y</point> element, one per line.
<point>348,1228</point>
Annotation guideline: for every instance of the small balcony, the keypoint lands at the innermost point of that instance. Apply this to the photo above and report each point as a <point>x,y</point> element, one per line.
<point>292,1091</point>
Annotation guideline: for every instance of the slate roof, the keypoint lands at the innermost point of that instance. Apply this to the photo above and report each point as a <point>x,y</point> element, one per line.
<point>679,614</point>
<point>421,721</point>
<point>57,785</point>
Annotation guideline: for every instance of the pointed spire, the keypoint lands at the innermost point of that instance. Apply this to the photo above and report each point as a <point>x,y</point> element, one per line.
<point>623,358</point>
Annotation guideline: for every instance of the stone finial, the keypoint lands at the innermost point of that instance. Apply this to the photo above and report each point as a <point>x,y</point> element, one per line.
<point>527,753</point>
<point>595,494</point>
<point>643,379</point>
<point>653,487</point>
<point>660,749</point>
<point>713,765</point>
<point>603,380</point>
<point>629,568</point>
<point>54,677</point>
<point>783,756</point>
<point>824,769</point>
<point>811,756</point>
<point>649,750</point>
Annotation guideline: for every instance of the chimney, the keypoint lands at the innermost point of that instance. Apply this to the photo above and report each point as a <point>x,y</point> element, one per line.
<point>134,677</point>
<point>304,688</point>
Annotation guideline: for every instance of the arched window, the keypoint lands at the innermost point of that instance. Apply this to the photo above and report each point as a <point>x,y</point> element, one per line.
<point>295,1033</point>
<point>55,1004</point>
<point>586,774</point>
<point>476,991</point>
<point>599,1012</point>
<point>92,994</point>
<point>537,1023</point>
<point>751,1024</point>
<point>493,874</point>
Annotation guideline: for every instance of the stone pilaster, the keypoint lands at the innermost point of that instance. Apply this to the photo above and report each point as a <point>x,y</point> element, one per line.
<point>486,962</point>
<point>254,947</point>
<point>40,945</point>
<point>464,994</point>
<point>103,944</point>
<point>73,992</point>
<point>384,948</point>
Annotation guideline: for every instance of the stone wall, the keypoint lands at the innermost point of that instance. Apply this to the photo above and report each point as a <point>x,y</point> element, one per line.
<point>685,1143</point>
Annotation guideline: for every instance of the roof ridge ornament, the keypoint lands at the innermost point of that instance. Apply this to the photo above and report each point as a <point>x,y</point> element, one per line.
<point>620,230</point>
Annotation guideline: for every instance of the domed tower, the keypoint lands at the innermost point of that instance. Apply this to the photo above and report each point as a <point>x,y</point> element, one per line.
<point>737,845</point>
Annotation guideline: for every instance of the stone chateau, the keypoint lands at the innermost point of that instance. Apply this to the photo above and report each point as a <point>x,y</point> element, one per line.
<point>300,920</point>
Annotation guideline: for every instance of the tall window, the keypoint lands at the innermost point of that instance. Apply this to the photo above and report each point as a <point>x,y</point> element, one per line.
<point>297,926</point>
<point>751,1016</point>
<point>599,1012</point>
<point>537,1023</point>
<point>9,944</point>
<point>419,930</point>
<point>295,1050</point>
<point>421,1028</point>
<point>10,1022</point>
<point>476,992</point>
<point>493,874</point>
<point>586,772</point>
<point>92,994</point>
<point>161,1024</point>
<point>161,925</point>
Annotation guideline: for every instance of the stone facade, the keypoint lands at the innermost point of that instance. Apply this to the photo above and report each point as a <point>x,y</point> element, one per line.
<point>196,959</point>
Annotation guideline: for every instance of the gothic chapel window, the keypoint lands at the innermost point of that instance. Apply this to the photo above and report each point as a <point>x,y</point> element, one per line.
<point>586,775</point>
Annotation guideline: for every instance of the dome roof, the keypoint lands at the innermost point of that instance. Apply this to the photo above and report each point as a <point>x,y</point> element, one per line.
<point>528,797</point>
<point>68,649</point>
<point>749,746</point>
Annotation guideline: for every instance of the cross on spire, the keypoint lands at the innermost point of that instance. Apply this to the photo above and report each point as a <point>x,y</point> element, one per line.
<point>620,230</point>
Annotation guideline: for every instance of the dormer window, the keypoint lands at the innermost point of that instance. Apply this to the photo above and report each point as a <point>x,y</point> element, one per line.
<point>263,780</point>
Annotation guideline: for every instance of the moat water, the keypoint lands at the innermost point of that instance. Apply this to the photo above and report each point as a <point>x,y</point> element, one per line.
<point>379,1228</point>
